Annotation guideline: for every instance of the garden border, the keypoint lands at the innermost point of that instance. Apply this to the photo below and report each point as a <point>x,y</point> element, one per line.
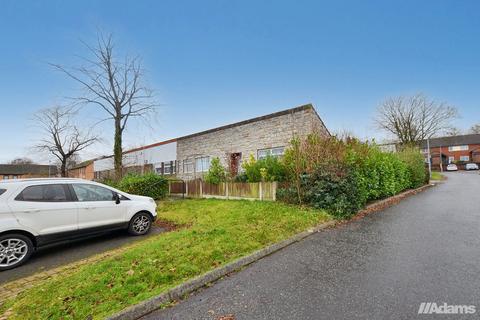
<point>178,292</point>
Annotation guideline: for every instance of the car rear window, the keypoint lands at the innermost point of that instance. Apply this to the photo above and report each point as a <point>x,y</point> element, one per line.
<point>47,193</point>
<point>2,191</point>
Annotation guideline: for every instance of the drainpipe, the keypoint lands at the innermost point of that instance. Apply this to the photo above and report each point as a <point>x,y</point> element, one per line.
<point>430,158</point>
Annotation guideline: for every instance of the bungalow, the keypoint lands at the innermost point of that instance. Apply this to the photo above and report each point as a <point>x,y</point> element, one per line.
<point>22,171</point>
<point>261,136</point>
<point>189,157</point>
<point>159,157</point>
<point>456,149</point>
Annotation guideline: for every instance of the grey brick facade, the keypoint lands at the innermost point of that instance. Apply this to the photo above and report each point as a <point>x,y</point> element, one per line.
<point>246,137</point>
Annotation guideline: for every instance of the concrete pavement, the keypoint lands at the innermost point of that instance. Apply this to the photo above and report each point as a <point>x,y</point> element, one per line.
<point>425,249</point>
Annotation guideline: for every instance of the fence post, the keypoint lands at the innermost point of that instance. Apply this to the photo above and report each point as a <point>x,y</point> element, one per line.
<point>201,188</point>
<point>186,188</point>
<point>260,190</point>
<point>169,187</point>
<point>226,189</point>
<point>274,190</point>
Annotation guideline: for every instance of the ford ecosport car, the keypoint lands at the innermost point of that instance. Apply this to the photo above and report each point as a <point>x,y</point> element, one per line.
<point>40,212</point>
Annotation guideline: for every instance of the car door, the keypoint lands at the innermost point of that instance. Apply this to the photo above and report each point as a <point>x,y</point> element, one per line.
<point>46,208</point>
<point>97,207</point>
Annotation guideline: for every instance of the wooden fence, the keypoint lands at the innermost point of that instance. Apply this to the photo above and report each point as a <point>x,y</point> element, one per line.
<point>225,190</point>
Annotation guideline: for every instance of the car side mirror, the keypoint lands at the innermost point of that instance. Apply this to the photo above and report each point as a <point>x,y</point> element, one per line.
<point>117,198</point>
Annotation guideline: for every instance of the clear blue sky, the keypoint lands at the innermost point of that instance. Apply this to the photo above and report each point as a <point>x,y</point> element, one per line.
<point>216,62</point>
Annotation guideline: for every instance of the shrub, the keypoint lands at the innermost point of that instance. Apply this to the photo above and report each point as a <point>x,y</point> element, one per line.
<point>150,185</point>
<point>216,173</point>
<point>267,169</point>
<point>416,166</point>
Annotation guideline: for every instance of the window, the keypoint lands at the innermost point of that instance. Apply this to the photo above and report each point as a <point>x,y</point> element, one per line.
<point>188,166</point>
<point>274,152</point>
<point>5,177</point>
<point>464,158</point>
<point>2,191</point>
<point>202,164</point>
<point>458,148</point>
<point>15,177</point>
<point>44,193</point>
<point>451,159</point>
<point>167,168</point>
<point>89,192</point>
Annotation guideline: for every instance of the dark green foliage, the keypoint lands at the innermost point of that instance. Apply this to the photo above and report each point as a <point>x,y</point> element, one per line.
<point>216,173</point>
<point>150,185</point>
<point>342,176</point>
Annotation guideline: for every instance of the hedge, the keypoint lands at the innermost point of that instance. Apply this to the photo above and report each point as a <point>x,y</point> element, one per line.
<point>149,185</point>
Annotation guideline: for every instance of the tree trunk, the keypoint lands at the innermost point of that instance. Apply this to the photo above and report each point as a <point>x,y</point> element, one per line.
<point>117,150</point>
<point>63,168</point>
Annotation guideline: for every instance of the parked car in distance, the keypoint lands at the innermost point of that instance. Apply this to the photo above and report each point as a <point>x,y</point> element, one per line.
<point>40,212</point>
<point>471,166</point>
<point>452,167</point>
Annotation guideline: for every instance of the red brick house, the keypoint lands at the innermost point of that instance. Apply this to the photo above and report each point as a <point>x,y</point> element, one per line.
<point>456,149</point>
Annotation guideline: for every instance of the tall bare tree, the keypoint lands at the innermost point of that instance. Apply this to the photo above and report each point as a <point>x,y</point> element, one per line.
<point>62,138</point>
<point>475,129</point>
<point>415,118</point>
<point>114,86</point>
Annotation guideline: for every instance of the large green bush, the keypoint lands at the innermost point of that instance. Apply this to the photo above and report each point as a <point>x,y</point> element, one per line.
<point>150,185</point>
<point>266,169</point>
<point>342,176</point>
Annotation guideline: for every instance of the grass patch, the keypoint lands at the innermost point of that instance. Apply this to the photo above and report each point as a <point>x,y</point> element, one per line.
<point>437,176</point>
<point>217,232</point>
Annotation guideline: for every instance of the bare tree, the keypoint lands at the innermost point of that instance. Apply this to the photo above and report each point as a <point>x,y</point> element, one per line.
<point>113,86</point>
<point>475,129</point>
<point>453,131</point>
<point>23,160</point>
<point>412,119</point>
<point>62,138</point>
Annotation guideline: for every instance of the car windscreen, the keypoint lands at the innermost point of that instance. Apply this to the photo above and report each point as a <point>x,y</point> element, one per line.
<point>2,191</point>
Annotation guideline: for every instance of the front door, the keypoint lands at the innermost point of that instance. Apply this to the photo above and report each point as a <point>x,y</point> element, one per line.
<point>235,160</point>
<point>97,207</point>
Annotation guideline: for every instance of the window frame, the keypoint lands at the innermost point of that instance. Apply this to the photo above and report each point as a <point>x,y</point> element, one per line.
<point>75,196</point>
<point>68,194</point>
<point>269,152</point>
<point>457,148</point>
<point>186,163</point>
<point>203,160</point>
<point>467,157</point>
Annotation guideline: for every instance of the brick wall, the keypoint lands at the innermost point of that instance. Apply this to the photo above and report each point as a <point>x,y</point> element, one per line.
<point>248,138</point>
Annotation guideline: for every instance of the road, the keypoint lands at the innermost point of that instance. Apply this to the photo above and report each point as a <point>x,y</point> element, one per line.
<point>425,249</point>
<point>52,257</point>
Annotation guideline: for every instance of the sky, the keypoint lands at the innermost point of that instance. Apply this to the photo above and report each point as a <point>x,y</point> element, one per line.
<point>212,63</point>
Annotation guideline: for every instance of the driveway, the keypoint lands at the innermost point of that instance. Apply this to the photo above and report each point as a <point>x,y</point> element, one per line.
<point>52,257</point>
<point>425,249</point>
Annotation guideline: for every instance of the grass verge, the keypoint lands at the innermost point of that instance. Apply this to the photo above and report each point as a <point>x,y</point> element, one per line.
<point>217,232</point>
<point>437,176</point>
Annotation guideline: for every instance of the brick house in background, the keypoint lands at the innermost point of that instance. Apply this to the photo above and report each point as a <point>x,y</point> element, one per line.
<point>456,149</point>
<point>261,136</point>
<point>82,170</point>
<point>23,171</point>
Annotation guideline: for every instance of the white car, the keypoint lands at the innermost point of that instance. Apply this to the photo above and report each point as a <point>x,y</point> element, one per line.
<point>471,166</point>
<point>452,167</point>
<point>39,212</point>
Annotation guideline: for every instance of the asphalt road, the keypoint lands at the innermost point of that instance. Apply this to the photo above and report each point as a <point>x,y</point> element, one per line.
<point>425,249</point>
<point>52,257</point>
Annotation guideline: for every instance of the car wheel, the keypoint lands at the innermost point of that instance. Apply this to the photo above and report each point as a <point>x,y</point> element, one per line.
<point>140,224</point>
<point>15,250</point>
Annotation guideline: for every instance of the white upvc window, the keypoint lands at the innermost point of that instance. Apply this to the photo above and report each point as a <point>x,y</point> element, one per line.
<point>458,148</point>
<point>464,158</point>
<point>451,159</point>
<point>188,166</point>
<point>202,164</point>
<point>274,152</point>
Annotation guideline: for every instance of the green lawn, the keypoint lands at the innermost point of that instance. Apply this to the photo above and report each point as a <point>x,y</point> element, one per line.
<point>437,175</point>
<point>215,232</point>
